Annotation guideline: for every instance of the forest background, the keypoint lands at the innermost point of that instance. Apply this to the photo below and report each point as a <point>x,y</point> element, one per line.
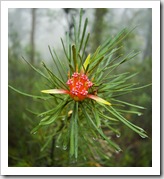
<point>30,33</point>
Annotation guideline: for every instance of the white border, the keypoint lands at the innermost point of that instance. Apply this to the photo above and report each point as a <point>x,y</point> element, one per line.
<point>155,169</point>
<point>80,4</point>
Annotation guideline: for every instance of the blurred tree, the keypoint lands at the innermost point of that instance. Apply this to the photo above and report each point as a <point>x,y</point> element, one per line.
<point>98,26</point>
<point>15,46</point>
<point>70,13</point>
<point>32,36</point>
<point>15,30</point>
<point>148,35</point>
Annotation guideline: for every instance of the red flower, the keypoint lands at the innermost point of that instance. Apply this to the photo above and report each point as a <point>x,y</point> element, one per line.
<point>79,85</point>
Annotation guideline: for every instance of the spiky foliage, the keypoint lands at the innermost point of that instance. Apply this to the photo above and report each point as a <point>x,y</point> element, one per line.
<point>82,119</point>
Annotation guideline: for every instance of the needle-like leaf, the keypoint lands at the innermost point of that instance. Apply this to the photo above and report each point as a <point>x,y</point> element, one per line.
<point>98,99</point>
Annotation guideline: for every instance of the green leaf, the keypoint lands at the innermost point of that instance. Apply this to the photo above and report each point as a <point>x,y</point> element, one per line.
<point>59,140</point>
<point>106,52</point>
<point>68,46</point>
<point>53,114</point>
<point>51,119</point>
<point>81,66</point>
<point>95,54</point>
<point>56,63</point>
<point>83,35</point>
<point>65,50</point>
<point>66,140</point>
<point>74,57</point>
<point>107,117</point>
<point>98,122</point>
<point>74,132</point>
<point>62,65</point>
<point>110,55</point>
<point>71,68</point>
<point>125,59</point>
<point>35,69</point>
<point>130,112</point>
<point>79,28</point>
<point>54,109</point>
<point>135,128</point>
<point>75,33</point>
<point>140,87</point>
<point>99,131</point>
<point>129,104</point>
<point>29,95</point>
<point>57,81</point>
<point>95,65</point>
<point>85,44</point>
<point>46,143</point>
<point>112,42</point>
<point>112,129</point>
<point>35,129</point>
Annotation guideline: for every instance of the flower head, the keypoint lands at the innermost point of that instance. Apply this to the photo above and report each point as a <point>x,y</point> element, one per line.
<point>79,85</point>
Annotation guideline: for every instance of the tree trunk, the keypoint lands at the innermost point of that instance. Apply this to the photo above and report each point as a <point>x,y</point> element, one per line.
<point>32,37</point>
<point>98,26</point>
<point>148,48</point>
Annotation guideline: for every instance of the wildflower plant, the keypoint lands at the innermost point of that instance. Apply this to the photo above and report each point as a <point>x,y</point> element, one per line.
<point>84,95</point>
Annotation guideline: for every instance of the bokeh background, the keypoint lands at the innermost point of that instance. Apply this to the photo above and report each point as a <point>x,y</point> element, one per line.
<point>30,31</point>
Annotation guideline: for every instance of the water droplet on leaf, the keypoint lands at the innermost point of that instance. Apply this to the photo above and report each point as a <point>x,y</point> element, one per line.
<point>63,118</point>
<point>64,147</point>
<point>143,136</point>
<point>141,130</point>
<point>94,138</point>
<point>118,151</point>
<point>118,135</point>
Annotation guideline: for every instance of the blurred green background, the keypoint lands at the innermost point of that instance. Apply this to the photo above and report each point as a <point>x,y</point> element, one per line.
<point>30,33</point>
